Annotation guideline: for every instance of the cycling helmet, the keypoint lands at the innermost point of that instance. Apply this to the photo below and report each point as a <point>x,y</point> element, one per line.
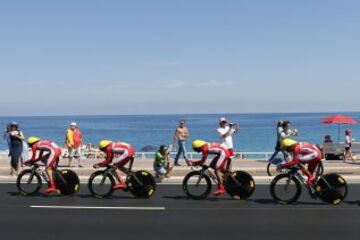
<point>287,143</point>
<point>198,144</point>
<point>104,143</point>
<point>32,140</point>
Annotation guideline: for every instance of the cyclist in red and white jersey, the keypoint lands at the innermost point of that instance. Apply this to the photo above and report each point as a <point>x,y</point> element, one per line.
<point>303,153</point>
<point>222,155</point>
<point>119,153</point>
<point>47,152</point>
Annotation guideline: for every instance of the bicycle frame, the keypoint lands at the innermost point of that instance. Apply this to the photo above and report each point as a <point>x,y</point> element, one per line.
<point>110,169</point>
<point>205,171</point>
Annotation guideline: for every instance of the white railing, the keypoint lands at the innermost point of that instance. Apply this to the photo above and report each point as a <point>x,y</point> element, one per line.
<point>194,155</point>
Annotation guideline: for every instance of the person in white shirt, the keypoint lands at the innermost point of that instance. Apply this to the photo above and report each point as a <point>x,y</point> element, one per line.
<point>348,142</point>
<point>226,132</point>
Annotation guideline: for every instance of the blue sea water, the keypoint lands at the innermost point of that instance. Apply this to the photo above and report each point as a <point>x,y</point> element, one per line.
<point>257,131</point>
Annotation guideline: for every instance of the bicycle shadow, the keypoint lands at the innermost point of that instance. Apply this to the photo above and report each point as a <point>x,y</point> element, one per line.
<point>37,195</point>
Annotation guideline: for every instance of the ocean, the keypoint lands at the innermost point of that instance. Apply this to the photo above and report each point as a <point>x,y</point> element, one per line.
<point>257,131</point>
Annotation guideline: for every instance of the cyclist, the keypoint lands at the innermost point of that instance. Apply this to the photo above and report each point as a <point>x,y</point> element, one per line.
<point>120,154</point>
<point>303,153</point>
<point>222,155</point>
<point>49,154</point>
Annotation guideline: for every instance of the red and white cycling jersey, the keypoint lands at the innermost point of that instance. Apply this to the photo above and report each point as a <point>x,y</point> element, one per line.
<point>221,155</point>
<point>306,152</point>
<point>119,153</point>
<point>52,151</point>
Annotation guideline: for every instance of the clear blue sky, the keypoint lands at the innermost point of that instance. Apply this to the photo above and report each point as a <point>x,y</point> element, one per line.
<point>169,56</point>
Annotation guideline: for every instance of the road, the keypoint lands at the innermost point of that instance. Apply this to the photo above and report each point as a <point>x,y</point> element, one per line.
<point>169,215</point>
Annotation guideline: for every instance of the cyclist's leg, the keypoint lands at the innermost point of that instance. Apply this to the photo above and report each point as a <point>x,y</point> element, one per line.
<point>51,161</point>
<point>219,164</point>
<point>120,162</point>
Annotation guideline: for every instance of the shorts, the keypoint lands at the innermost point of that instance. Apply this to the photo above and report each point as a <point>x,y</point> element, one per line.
<point>122,160</point>
<point>161,170</point>
<point>51,159</point>
<point>75,152</point>
<point>219,162</point>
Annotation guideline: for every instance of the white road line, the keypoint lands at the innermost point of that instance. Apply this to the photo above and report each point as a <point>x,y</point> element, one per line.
<point>101,208</point>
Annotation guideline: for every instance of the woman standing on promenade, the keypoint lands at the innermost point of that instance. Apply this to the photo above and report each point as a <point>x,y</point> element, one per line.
<point>348,143</point>
<point>283,131</point>
<point>16,147</point>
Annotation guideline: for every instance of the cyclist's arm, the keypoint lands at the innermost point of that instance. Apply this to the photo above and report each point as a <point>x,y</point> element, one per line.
<point>201,162</point>
<point>295,160</point>
<point>108,158</point>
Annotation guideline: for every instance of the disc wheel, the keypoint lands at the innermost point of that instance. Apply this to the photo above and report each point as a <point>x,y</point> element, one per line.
<point>67,182</point>
<point>141,184</point>
<point>100,184</point>
<point>28,183</point>
<point>197,185</point>
<point>332,188</point>
<point>285,189</point>
<point>240,185</point>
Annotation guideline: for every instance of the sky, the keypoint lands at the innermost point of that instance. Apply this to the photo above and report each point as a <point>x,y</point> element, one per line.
<point>169,56</point>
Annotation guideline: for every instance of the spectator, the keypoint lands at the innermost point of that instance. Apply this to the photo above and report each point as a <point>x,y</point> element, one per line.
<point>226,131</point>
<point>6,136</point>
<point>180,136</point>
<point>74,143</point>
<point>283,131</point>
<point>16,147</point>
<point>328,139</point>
<point>162,165</point>
<point>348,143</point>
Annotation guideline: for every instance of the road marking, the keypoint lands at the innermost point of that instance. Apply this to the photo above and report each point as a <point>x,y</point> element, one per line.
<point>101,208</point>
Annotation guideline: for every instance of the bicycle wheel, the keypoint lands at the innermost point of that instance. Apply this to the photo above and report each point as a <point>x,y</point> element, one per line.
<point>141,184</point>
<point>197,185</point>
<point>100,184</point>
<point>285,189</point>
<point>332,188</point>
<point>240,185</point>
<point>67,182</point>
<point>28,183</point>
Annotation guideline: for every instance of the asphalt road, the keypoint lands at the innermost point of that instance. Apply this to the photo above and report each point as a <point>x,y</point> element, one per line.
<point>169,215</point>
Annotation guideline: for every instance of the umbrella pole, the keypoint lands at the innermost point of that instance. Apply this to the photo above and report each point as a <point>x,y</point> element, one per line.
<point>339,132</point>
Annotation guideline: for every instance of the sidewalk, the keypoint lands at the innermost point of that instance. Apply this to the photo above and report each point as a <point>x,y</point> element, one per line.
<point>254,167</point>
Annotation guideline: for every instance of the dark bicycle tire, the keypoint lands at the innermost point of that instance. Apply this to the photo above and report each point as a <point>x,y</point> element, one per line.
<point>141,184</point>
<point>240,185</point>
<point>186,185</point>
<point>20,187</point>
<point>275,183</point>
<point>336,192</point>
<point>91,185</point>
<point>67,181</point>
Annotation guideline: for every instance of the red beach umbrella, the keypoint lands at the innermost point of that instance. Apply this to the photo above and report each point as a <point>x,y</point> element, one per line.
<point>339,119</point>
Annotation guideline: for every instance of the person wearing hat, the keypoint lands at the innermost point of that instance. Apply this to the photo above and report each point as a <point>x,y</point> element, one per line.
<point>302,153</point>
<point>16,138</point>
<point>226,131</point>
<point>162,165</point>
<point>73,143</point>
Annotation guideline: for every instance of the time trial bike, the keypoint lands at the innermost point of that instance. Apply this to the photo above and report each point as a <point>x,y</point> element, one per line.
<point>29,181</point>
<point>239,185</point>
<point>286,188</point>
<point>140,183</point>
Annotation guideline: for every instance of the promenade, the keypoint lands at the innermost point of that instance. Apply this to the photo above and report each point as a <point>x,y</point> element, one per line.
<point>257,168</point>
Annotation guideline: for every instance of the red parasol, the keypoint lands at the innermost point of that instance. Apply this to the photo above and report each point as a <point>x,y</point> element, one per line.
<point>339,119</point>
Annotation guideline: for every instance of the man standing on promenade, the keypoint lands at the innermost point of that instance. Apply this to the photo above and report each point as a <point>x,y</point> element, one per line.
<point>226,131</point>
<point>181,135</point>
<point>74,143</point>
